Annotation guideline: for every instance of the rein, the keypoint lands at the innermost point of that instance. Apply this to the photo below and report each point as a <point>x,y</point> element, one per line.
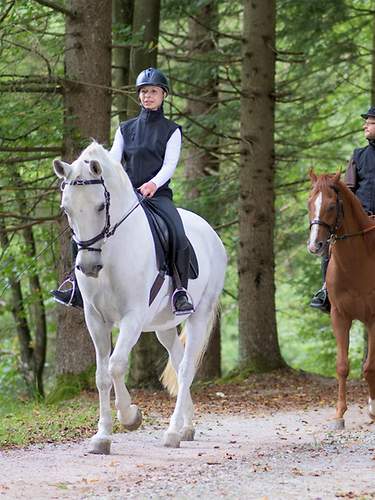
<point>333,238</point>
<point>107,230</point>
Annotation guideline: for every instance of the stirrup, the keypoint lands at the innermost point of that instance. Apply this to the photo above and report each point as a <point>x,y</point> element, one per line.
<point>72,281</point>
<point>182,313</point>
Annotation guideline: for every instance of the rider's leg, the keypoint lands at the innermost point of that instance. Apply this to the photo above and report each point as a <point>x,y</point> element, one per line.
<point>68,292</point>
<point>181,302</point>
<point>320,300</point>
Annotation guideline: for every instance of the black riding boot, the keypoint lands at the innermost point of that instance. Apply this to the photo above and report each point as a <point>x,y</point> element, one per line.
<point>69,296</point>
<point>68,292</point>
<point>181,302</point>
<point>320,300</point>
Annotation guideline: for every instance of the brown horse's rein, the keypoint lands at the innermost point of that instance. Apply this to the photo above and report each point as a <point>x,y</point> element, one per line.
<point>333,238</point>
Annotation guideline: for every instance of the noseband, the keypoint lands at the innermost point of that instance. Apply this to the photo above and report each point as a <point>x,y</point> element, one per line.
<point>107,230</point>
<point>332,228</point>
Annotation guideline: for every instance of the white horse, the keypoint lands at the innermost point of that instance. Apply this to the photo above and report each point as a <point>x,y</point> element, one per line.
<point>115,269</point>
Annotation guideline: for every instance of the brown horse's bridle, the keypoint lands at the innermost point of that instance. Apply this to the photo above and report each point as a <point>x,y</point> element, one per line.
<point>332,228</point>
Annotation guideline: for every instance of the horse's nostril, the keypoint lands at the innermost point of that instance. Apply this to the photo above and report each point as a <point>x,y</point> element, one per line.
<point>99,267</point>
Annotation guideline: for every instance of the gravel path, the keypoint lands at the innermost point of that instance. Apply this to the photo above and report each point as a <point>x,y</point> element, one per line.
<point>281,455</point>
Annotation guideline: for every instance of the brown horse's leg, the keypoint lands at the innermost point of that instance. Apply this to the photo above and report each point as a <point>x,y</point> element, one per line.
<point>369,369</point>
<point>341,327</point>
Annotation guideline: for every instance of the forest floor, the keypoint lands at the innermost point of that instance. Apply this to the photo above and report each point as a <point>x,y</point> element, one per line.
<point>267,437</point>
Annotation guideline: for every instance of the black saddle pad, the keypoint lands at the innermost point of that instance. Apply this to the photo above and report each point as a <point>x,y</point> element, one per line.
<point>160,234</point>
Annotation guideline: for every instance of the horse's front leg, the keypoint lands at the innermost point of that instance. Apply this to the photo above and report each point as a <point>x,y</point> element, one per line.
<point>172,342</point>
<point>101,335</point>
<point>341,327</point>
<point>128,414</point>
<point>369,369</point>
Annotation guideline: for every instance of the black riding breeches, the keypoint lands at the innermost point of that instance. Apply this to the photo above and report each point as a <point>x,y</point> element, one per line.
<point>178,243</point>
<point>165,207</point>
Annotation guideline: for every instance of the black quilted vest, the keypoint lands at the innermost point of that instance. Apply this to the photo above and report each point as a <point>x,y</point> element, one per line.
<point>364,159</point>
<point>145,139</point>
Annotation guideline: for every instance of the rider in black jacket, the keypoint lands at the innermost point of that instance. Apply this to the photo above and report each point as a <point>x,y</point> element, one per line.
<point>360,178</point>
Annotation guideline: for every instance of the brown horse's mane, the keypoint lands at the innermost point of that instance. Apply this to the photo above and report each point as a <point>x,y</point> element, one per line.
<point>350,201</point>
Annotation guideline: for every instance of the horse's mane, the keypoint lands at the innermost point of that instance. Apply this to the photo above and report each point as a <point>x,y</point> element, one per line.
<point>96,151</point>
<point>350,202</point>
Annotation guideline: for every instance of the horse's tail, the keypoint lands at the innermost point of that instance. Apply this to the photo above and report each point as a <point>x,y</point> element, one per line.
<point>169,376</point>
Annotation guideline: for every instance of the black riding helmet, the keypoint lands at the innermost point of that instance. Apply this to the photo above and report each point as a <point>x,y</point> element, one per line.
<point>152,76</point>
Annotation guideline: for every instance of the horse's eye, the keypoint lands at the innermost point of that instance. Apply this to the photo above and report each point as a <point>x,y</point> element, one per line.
<point>331,207</point>
<point>101,207</point>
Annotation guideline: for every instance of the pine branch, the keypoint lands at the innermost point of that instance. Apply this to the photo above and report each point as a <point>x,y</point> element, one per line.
<point>16,160</point>
<point>31,149</point>
<point>57,7</point>
<point>7,11</point>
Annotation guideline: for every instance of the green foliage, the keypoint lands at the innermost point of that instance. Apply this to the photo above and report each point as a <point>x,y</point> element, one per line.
<point>25,423</point>
<point>68,386</point>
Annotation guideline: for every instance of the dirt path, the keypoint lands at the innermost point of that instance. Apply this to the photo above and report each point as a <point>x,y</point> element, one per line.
<point>269,455</point>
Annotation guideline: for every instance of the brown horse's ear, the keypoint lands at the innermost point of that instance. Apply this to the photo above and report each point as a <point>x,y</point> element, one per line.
<point>313,176</point>
<point>336,177</point>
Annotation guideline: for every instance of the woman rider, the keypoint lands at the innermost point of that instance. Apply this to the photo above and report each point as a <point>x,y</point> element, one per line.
<point>149,147</point>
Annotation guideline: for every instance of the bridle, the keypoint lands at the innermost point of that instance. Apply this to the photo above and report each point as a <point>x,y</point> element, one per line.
<point>107,230</point>
<point>332,228</point>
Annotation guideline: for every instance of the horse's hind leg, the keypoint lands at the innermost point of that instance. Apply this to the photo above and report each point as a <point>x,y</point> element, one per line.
<point>172,342</point>
<point>128,414</point>
<point>196,338</point>
<point>369,370</point>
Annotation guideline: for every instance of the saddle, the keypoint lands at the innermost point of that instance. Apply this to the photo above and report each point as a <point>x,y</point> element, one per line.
<point>164,260</point>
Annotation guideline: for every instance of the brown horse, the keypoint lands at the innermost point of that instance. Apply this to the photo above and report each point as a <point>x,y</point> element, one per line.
<point>338,220</point>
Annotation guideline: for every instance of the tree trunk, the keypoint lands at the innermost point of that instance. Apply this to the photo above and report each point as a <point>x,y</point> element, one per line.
<point>122,16</point>
<point>87,105</point>
<point>147,353</point>
<point>143,55</point>
<point>20,317</point>
<point>372,96</point>
<point>259,348</point>
<point>202,161</point>
<point>37,309</point>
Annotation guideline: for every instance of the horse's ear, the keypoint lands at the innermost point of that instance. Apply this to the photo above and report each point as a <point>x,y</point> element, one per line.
<point>336,177</point>
<point>95,168</point>
<point>313,176</point>
<point>61,168</point>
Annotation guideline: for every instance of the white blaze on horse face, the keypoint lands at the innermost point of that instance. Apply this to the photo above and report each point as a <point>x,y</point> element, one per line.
<point>315,227</point>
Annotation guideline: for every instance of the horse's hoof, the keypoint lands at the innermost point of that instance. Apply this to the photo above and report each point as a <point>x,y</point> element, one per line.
<point>187,434</point>
<point>172,440</point>
<point>337,424</point>
<point>100,446</point>
<point>135,422</point>
<point>371,408</point>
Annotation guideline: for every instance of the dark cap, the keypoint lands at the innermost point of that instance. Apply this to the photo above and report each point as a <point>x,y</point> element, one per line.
<point>370,112</point>
<point>152,76</point>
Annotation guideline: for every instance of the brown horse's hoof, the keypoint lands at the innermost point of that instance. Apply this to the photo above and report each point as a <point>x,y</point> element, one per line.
<point>371,408</point>
<point>337,424</point>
